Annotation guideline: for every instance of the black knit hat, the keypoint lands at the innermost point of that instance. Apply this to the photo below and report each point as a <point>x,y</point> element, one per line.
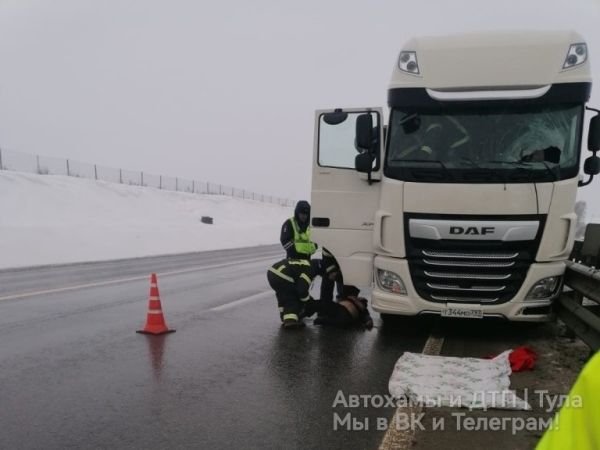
<point>302,207</point>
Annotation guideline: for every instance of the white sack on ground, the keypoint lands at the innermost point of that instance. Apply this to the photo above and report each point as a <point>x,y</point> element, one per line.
<point>449,381</point>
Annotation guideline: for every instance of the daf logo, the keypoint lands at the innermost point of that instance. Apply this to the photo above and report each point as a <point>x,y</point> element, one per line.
<point>497,230</point>
<point>472,231</point>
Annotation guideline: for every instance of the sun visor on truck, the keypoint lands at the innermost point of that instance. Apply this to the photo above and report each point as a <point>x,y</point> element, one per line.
<point>419,98</point>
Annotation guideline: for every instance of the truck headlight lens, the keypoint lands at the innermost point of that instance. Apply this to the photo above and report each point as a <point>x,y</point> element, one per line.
<point>407,62</point>
<point>577,55</point>
<point>390,282</point>
<point>544,289</point>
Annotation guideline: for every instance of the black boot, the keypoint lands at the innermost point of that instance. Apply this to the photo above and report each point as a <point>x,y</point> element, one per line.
<point>291,324</point>
<point>308,310</point>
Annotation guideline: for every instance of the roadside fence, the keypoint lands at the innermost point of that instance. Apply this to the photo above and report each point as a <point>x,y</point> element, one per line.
<point>48,165</point>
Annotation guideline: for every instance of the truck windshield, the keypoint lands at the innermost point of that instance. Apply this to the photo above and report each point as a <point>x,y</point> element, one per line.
<point>507,143</point>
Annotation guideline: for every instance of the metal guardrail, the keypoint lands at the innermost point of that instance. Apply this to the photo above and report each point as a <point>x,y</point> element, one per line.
<point>583,320</point>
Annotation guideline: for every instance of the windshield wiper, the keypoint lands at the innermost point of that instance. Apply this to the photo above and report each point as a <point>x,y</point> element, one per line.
<point>490,171</point>
<point>551,171</point>
<point>527,165</point>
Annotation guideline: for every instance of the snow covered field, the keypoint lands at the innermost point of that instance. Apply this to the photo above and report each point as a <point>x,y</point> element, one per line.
<point>47,219</point>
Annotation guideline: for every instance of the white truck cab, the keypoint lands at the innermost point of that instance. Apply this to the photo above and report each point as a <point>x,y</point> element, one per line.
<point>463,205</point>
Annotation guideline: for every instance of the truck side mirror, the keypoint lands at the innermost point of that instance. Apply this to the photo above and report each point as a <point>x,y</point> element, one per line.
<point>594,134</point>
<point>364,162</point>
<point>591,167</point>
<point>364,132</point>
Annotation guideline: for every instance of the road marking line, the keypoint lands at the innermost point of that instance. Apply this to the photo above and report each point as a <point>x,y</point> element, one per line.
<point>243,301</point>
<point>403,439</point>
<point>126,280</point>
<point>433,346</point>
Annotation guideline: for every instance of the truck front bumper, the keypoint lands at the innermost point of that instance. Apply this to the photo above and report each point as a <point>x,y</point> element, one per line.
<point>517,309</point>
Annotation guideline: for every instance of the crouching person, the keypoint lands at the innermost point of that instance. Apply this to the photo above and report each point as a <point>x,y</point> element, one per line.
<point>291,280</point>
<point>349,310</point>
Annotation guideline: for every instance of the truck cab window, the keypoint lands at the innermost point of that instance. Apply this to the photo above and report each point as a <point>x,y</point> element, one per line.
<point>337,143</point>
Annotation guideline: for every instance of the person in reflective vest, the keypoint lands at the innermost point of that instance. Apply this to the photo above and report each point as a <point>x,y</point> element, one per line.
<point>295,233</point>
<point>291,280</point>
<point>576,425</point>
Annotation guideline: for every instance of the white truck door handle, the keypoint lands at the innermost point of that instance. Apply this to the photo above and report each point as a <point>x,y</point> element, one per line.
<point>378,230</point>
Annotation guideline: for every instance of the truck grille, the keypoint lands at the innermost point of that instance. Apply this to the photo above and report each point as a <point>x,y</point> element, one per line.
<point>469,271</point>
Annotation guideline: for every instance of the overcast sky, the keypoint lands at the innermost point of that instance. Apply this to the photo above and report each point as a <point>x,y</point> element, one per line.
<point>222,91</point>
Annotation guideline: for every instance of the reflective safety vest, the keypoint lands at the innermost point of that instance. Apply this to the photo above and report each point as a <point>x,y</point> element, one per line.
<point>575,426</point>
<point>302,243</point>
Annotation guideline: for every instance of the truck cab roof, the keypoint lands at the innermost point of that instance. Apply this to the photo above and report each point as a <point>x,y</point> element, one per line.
<point>517,60</point>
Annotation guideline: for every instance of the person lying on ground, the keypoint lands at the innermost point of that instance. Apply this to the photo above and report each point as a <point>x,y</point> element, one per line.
<point>349,310</point>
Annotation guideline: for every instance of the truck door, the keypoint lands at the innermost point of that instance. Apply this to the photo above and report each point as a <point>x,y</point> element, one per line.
<point>346,187</point>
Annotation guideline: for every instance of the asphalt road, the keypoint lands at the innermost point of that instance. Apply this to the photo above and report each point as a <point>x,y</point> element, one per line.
<point>74,374</point>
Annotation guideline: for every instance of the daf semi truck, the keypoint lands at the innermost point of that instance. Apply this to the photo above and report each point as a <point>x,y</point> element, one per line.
<point>461,202</point>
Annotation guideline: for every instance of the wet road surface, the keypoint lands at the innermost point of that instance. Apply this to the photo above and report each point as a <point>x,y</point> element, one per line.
<point>74,374</point>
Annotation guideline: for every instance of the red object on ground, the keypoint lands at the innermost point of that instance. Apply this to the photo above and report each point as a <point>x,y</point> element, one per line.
<point>155,320</point>
<point>522,358</point>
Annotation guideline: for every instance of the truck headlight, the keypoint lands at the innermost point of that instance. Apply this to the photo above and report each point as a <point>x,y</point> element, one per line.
<point>544,289</point>
<point>407,62</point>
<point>576,55</point>
<point>390,282</point>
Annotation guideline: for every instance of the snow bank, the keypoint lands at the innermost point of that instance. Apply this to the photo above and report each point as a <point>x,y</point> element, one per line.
<point>47,219</point>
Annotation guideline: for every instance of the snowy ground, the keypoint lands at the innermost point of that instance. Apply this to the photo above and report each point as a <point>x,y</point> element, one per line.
<point>47,219</point>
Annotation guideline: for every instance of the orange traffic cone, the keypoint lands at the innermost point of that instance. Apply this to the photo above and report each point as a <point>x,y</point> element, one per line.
<point>155,321</point>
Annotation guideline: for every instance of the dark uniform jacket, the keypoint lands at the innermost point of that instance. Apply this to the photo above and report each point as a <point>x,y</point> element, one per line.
<point>294,274</point>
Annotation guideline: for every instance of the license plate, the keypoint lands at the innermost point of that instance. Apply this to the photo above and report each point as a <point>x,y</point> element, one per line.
<point>464,313</point>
